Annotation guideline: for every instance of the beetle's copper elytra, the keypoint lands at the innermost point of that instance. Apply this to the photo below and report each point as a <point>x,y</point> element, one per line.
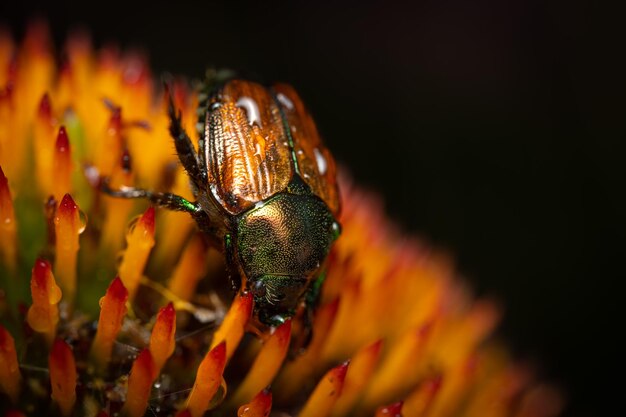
<point>266,192</point>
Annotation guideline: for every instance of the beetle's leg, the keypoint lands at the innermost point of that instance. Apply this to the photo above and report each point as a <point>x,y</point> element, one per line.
<point>166,200</point>
<point>184,148</point>
<point>311,301</point>
<point>230,259</point>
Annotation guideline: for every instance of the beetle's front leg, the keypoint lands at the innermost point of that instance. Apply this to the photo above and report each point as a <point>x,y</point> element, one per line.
<point>185,149</point>
<point>167,200</point>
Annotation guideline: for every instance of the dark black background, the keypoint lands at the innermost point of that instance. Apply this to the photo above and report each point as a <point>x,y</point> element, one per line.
<point>493,129</point>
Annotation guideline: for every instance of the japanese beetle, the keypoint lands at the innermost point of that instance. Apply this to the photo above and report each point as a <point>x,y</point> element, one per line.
<point>266,191</point>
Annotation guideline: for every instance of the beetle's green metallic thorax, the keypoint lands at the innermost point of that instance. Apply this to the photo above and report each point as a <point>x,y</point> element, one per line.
<point>285,235</point>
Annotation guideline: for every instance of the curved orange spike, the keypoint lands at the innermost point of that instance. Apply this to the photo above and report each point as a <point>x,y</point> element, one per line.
<point>191,267</point>
<point>112,312</point>
<point>140,241</point>
<point>62,165</point>
<point>67,226</point>
<point>392,410</point>
<point>266,365</point>
<point>296,372</point>
<point>63,376</point>
<point>44,135</point>
<point>326,393</point>
<point>419,401</point>
<point>232,328</point>
<point>260,406</point>
<point>139,385</point>
<point>43,314</point>
<point>10,376</point>
<point>362,367</point>
<point>208,380</point>
<point>8,227</point>
<point>162,341</point>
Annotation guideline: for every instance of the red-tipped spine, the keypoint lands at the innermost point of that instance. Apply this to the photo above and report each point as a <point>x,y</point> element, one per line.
<point>62,165</point>
<point>392,410</point>
<point>43,314</point>
<point>67,226</point>
<point>140,241</point>
<point>260,406</point>
<point>112,312</point>
<point>321,401</point>
<point>232,328</point>
<point>266,365</point>
<point>63,376</point>
<point>139,385</point>
<point>10,376</point>
<point>8,227</point>
<point>162,342</point>
<point>208,380</point>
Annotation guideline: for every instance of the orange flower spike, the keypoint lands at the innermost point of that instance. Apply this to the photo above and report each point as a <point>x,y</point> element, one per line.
<point>295,372</point>
<point>63,376</point>
<point>112,312</point>
<point>62,166</point>
<point>117,209</point>
<point>328,390</point>
<point>43,314</point>
<point>190,269</point>
<point>140,240</point>
<point>162,341</point>
<point>8,227</point>
<point>232,328</point>
<point>399,370</point>
<point>266,364</point>
<point>362,367</point>
<point>44,135</point>
<point>109,146</point>
<point>208,380</point>
<point>67,227</point>
<point>260,406</point>
<point>419,401</point>
<point>392,410</point>
<point>10,376</point>
<point>139,385</point>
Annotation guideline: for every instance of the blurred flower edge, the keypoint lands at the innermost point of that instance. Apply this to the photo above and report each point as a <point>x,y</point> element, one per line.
<point>108,306</point>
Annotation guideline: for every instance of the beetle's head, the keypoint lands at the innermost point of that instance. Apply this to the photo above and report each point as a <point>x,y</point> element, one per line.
<point>281,244</point>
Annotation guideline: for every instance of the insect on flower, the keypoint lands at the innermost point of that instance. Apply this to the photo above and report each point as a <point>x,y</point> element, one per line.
<point>266,192</point>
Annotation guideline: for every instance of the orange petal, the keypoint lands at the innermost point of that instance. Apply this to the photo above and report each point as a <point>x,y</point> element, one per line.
<point>10,376</point>
<point>43,314</point>
<point>266,365</point>
<point>208,380</point>
<point>392,410</point>
<point>418,402</point>
<point>63,376</point>
<point>399,371</point>
<point>362,367</point>
<point>190,269</point>
<point>139,385</point>
<point>232,328</point>
<point>260,406</point>
<point>8,228</point>
<point>326,393</point>
<point>67,228</point>
<point>117,209</point>
<point>296,372</point>
<point>162,341</point>
<point>62,165</point>
<point>140,240</point>
<point>112,312</point>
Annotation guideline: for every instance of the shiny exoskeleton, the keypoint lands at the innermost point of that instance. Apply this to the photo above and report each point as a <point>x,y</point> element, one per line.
<point>266,189</point>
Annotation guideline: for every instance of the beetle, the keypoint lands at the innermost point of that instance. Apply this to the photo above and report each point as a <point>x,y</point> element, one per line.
<point>265,189</point>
